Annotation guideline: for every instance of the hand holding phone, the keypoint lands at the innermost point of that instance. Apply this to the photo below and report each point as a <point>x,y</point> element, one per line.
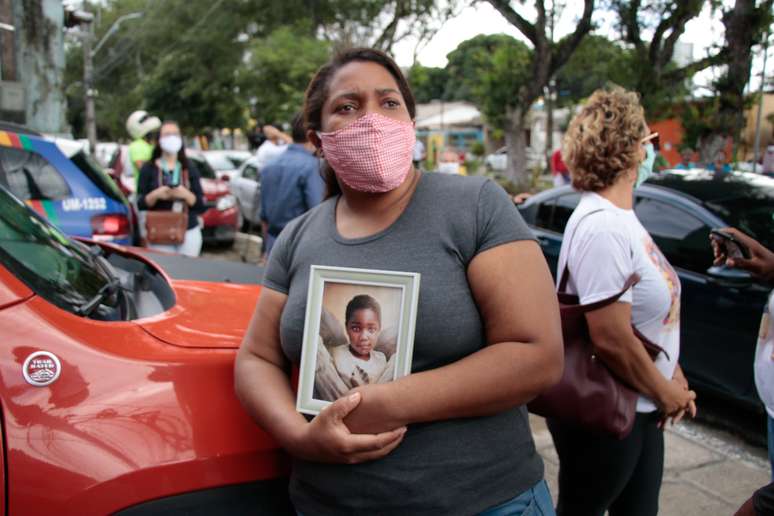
<point>725,246</point>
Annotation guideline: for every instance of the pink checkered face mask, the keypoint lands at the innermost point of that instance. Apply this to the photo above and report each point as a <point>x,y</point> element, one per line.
<point>372,154</point>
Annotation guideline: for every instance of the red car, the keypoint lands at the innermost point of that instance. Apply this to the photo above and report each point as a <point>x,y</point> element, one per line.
<point>117,385</point>
<point>222,219</point>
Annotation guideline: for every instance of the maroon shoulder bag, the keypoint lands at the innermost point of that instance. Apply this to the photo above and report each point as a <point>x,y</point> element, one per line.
<point>168,227</point>
<point>589,394</point>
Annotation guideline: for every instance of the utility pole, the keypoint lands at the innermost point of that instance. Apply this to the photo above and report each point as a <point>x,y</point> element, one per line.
<point>88,83</point>
<point>86,21</point>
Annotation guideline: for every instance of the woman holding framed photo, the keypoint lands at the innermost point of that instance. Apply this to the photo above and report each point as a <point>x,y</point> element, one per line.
<point>453,437</point>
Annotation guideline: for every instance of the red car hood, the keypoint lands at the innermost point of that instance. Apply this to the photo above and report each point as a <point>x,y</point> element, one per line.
<point>227,309</point>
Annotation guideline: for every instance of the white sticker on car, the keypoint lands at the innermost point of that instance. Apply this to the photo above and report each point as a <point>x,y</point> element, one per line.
<point>86,204</point>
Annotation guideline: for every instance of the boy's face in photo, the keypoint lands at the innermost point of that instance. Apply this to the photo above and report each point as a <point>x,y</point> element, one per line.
<point>363,331</point>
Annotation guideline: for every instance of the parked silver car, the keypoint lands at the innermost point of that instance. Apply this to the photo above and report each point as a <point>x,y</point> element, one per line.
<point>245,185</point>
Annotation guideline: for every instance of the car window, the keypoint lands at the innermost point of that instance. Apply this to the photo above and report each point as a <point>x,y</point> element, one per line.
<point>545,212</point>
<point>97,175</point>
<point>565,205</point>
<point>682,237</point>
<point>201,166</point>
<point>53,266</point>
<point>30,176</point>
<point>251,172</point>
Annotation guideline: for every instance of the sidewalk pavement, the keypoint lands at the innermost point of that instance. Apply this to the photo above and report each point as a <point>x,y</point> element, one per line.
<point>702,475</point>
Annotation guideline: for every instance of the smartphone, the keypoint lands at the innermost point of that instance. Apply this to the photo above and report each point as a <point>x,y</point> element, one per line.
<point>171,180</point>
<point>730,246</point>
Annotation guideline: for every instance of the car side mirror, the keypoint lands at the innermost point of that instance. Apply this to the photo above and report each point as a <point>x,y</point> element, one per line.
<point>729,276</point>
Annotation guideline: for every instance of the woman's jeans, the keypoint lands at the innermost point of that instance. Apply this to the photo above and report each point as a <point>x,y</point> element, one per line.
<point>535,501</point>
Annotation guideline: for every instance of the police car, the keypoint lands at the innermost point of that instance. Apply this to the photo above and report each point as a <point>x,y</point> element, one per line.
<point>58,179</point>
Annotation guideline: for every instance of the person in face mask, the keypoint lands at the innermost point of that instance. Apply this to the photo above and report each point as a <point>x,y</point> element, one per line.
<point>487,339</point>
<point>169,182</point>
<point>609,153</point>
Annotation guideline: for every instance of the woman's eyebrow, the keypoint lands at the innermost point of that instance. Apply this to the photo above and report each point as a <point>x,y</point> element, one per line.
<point>385,91</point>
<point>346,95</point>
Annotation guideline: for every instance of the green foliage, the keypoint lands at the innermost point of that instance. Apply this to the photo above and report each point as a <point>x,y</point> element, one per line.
<point>428,83</point>
<point>596,63</point>
<point>278,70</point>
<point>478,149</point>
<point>489,70</point>
<point>202,62</point>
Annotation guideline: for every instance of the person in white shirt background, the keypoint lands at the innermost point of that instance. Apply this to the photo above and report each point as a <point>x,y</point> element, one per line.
<point>275,144</point>
<point>761,265</point>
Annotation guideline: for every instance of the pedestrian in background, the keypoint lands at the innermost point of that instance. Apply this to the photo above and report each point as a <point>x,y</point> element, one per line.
<point>607,152</point>
<point>453,437</point>
<point>167,181</point>
<point>291,184</point>
<point>686,160</point>
<point>559,171</point>
<point>276,143</point>
<point>142,128</point>
<point>761,265</point>
<point>419,154</point>
<point>660,163</point>
<point>719,167</point>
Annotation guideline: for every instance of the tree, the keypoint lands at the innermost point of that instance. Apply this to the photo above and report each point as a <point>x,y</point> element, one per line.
<point>185,58</point>
<point>486,70</point>
<point>546,59</point>
<point>660,82</point>
<point>745,23</point>
<point>277,71</point>
<point>596,63</point>
<point>428,83</point>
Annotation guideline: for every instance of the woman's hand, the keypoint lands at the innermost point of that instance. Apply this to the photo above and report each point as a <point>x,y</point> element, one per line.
<point>680,379</point>
<point>162,193</point>
<point>184,194</point>
<point>675,400</point>
<point>328,439</point>
<point>761,262</point>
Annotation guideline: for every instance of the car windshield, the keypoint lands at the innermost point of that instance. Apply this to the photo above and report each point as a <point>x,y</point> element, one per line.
<point>98,176</point>
<point>743,200</point>
<point>49,263</point>
<point>220,162</point>
<point>204,169</point>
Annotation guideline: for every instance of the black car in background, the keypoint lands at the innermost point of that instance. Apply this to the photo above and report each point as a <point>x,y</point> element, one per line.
<point>721,308</point>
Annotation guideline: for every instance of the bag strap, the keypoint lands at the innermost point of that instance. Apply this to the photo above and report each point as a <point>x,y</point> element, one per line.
<point>566,272</point>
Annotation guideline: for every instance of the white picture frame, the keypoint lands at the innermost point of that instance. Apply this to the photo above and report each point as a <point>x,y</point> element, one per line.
<point>327,368</point>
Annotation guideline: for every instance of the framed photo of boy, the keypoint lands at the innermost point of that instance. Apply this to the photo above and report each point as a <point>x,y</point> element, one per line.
<point>359,329</point>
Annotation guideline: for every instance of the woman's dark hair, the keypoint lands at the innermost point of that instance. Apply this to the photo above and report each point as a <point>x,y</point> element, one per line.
<point>298,129</point>
<point>181,157</point>
<point>317,93</point>
<point>362,302</point>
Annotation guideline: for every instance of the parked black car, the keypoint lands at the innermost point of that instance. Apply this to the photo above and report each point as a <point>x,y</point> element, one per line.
<point>721,307</point>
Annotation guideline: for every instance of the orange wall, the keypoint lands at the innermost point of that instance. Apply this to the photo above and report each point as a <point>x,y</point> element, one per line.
<point>670,133</point>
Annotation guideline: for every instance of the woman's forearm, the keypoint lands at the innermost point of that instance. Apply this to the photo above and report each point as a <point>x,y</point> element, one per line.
<point>496,378</point>
<point>628,359</point>
<point>266,394</point>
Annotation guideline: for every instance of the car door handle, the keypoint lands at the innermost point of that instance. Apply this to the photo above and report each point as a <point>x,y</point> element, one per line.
<point>543,241</point>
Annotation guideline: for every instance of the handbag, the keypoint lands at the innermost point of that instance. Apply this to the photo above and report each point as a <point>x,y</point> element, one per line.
<point>167,227</point>
<point>589,394</point>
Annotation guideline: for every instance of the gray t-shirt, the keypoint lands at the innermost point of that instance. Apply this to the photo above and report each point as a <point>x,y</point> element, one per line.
<point>457,466</point>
